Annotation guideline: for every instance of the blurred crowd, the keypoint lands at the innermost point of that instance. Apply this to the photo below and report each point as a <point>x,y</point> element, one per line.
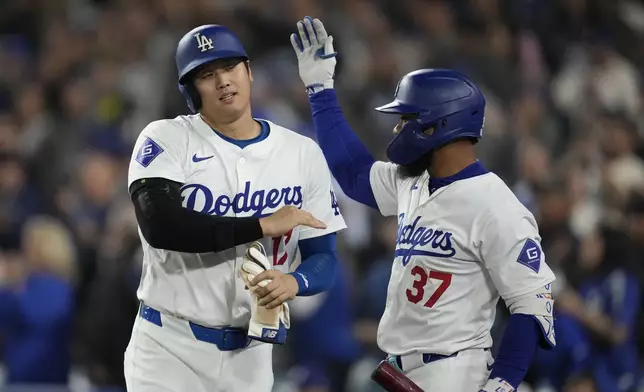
<point>79,79</point>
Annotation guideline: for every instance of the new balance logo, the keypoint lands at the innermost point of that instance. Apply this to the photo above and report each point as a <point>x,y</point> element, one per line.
<point>270,334</point>
<point>204,43</point>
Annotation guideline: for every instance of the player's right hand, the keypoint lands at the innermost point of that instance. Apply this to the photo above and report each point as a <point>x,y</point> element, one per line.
<point>315,54</point>
<point>287,218</point>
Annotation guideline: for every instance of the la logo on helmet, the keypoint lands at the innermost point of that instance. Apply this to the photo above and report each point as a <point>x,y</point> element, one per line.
<point>204,42</point>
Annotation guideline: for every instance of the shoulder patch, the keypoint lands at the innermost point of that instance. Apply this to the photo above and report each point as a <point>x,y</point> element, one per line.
<point>148,151</point>
<point>530,255</point>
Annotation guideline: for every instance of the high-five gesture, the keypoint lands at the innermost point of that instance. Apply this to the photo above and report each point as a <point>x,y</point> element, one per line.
<point>315,54</point>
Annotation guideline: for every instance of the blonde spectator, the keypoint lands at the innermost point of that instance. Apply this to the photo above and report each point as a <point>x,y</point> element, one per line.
<point>48,247</point>
<point>36,306</point>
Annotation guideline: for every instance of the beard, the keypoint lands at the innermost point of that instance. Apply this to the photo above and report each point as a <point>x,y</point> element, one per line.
<point>416,168</point>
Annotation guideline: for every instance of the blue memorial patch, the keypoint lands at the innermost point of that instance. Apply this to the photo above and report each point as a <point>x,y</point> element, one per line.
<point>148,151</point>
<point>530,255</point>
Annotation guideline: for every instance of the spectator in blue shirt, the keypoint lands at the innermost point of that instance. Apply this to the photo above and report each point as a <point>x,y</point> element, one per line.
<point>596,323</point>
<point>36,305</point>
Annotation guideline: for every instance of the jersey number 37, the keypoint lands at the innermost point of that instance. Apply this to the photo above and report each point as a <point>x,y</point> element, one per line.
<point>416,292</point>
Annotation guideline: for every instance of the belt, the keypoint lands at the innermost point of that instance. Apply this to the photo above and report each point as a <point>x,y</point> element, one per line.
<point>226,338</point>
<point>411,361</point>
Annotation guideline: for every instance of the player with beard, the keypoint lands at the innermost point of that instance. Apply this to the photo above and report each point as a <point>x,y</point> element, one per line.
<point>464,239</point>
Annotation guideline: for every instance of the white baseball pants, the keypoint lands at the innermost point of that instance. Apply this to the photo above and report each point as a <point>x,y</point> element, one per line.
<point>170,359</point>
<point>465,372</point>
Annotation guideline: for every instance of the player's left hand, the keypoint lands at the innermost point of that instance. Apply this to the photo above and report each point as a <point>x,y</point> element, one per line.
<point>283,287</point>
<point>315,54</point>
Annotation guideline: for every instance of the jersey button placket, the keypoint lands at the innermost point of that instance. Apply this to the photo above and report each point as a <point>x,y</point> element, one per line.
<point>240,189</point>
<point>241,175</point>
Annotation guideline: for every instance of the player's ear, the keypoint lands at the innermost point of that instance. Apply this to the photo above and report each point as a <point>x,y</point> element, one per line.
<point>250,73</point>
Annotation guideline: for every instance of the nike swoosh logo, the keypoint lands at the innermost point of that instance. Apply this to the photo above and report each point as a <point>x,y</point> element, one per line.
<point>489,367</point>
<point>196,159</point>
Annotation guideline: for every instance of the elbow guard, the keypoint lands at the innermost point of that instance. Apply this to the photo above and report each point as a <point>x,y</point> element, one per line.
<point>538,304</point>
<point>165,224</point>
<point>154,199</point>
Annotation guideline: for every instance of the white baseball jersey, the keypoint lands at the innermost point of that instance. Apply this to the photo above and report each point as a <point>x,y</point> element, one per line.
<point>220,178</point>
<point>458,249</point>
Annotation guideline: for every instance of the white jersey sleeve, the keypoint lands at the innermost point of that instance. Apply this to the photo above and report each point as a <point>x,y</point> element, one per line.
<point>510,248</point>
<point>320,199</point>
<point>159,152</point>
<point>384,184</point>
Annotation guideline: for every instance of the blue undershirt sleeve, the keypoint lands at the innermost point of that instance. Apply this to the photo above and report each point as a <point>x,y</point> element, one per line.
<point>316,273</point>
<point>348,159</point>
<point>517,350</point>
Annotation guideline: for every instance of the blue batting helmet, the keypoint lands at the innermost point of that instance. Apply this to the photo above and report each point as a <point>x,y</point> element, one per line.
<point>447,106</point>
<point>199,46</point>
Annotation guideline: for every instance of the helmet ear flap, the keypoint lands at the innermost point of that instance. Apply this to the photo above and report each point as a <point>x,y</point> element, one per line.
<point>191,95</point>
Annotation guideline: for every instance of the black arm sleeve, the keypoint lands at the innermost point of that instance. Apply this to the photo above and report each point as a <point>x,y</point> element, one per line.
<point>165,224</point>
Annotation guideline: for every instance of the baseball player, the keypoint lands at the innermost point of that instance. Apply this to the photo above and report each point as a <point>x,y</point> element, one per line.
<point>204,186</point>
<point>464,240</point>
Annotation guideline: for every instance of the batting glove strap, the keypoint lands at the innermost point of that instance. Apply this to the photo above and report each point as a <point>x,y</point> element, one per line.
<point>497,385</point>
<point>317,87</point>
<point>269,325</point>
<point>267,334</point>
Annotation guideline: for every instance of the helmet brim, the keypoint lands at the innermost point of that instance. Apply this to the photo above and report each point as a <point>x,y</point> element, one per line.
<point>397,107</point>
<point>222,54</point>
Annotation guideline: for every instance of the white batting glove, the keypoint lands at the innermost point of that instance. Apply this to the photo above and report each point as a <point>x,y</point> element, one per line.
<point>315,55</point>
<point>266,325</point>
<point>497,385</point>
